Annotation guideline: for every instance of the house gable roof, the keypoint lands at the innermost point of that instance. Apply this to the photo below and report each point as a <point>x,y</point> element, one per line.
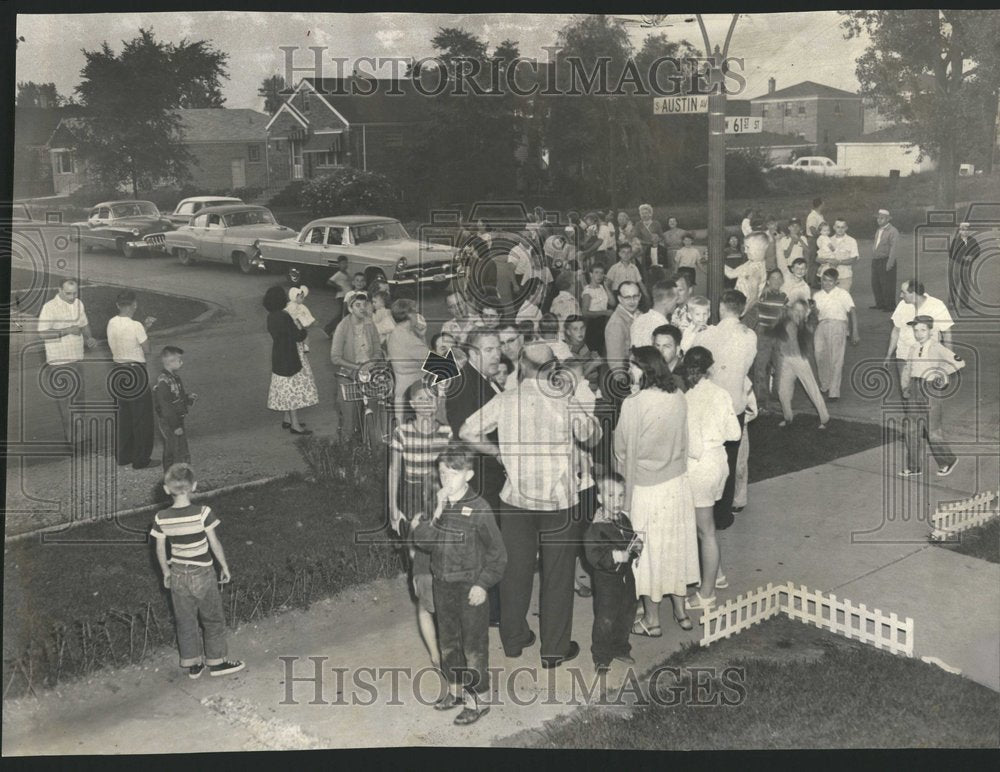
<point>34,125</point>
<point>807,89</point>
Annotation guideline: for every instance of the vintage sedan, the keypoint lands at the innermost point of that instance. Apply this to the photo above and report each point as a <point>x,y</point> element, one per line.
<point>225,234</point>
<point>379,247</point>
<point>122,226</point>
<point>189,207</point>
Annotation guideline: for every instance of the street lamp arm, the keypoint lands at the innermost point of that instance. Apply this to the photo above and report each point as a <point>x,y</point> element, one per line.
<point>729,35</point>
<point>704,34</point>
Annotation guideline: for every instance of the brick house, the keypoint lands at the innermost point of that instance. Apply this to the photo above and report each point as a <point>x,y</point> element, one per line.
<point>817,114</point>
<point>322,125</point>
<point>229,148</point>
<point>33,164</point>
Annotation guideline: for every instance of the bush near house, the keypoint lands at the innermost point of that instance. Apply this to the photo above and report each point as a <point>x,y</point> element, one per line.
<point>350,191</point>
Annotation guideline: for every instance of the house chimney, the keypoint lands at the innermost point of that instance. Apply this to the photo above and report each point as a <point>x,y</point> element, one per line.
<point>770,85</point>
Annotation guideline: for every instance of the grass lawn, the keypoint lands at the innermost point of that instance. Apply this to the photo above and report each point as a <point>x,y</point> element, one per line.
<point>802,688</point>
<point>99,300</point>
<point>775,450</point>
<point>104,603</point>
<point>982,542</point>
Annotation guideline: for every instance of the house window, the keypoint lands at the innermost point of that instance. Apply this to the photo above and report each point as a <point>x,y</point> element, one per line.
<point>763,111</point>
<point>64,163</point>
<point>328,158</point>
<point>802,109</point>
<point>253,153</point>
<point>788,109</point>
<point>836,108</point>
<point>394,138</point>
<point>305,102</point>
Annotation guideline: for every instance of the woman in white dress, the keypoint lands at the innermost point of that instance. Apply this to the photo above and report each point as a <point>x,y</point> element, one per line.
<point>711,423</point>
<point>651,445</point>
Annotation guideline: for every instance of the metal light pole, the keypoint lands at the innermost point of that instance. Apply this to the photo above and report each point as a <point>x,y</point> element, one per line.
<point>716,163</point>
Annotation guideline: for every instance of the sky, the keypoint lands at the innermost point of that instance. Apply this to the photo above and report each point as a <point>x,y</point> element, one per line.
<point>791,47</point>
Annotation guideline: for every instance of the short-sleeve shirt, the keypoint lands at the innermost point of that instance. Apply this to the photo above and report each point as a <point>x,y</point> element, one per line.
<point>419,450</point>
<point>620,272</point>
<point>186,531</point>
<point>125,338</point>
<point>813,220</point>
<point>844,247</point>
<point>57,314</point>
<point>834,305</point>
<point>905,312</point>
<point>598,297</point>
<point>641,333</point>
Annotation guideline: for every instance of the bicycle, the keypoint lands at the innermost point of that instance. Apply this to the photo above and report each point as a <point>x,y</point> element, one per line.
<point>373,384</point>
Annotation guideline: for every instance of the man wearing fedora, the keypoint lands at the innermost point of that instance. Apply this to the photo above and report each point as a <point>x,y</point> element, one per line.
<point>884,262</point>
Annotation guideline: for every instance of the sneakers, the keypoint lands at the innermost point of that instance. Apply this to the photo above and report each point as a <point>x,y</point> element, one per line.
<point>196,670</point>
<point>696,602</point>
<point>911,472</point>
<point>225,668</point>
<point>944,471</point>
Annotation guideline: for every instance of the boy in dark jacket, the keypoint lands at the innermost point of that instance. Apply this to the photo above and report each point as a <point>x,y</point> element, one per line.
<point>171,404</point>
<point>467,558</point>
<point>611,545</point>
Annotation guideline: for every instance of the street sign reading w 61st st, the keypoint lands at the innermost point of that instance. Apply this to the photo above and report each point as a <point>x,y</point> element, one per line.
<point>739,124</point>
<point>683,105</point>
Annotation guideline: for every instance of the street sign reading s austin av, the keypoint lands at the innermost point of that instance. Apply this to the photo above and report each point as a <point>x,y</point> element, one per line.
<point>683,105</point>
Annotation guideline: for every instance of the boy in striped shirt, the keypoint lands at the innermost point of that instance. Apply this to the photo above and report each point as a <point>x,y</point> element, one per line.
<point>189,574</point>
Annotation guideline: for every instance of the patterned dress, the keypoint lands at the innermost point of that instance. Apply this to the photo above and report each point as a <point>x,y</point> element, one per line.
<point>296,391</point>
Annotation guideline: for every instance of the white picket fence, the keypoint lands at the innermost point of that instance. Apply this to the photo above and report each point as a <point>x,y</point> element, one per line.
<point>954,517</point>
<point>840,616</point>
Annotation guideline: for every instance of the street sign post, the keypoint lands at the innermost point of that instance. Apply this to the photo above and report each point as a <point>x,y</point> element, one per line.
<point>682,105</point>
<point>740,124</point>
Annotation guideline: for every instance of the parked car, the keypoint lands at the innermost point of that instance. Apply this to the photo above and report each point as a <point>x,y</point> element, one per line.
<point>122,226</point>
<point>375,246</point>
<point>225,234</point>
<point>189,207</point>
<point>815,164</point>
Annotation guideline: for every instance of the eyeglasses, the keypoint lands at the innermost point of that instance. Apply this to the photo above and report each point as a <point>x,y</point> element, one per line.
<point>630,297</point>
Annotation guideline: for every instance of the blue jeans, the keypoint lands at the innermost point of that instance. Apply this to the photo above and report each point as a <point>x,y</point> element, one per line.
<point>463,636</point>
<point>194,591</point>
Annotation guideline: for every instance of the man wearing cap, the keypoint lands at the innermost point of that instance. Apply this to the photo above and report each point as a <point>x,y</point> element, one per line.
<point>963,250</point>
<point>924,376</point>
<point>537,426</point>
<point>884,262</point>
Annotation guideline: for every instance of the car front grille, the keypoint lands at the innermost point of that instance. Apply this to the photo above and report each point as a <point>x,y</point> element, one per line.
<point>156,239</point>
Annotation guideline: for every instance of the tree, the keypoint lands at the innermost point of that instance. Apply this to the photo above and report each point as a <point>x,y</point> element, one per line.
<point>131,131</point>
<point>468,150</point>
<point>270,91</point>
<point>959,51</point>
<point>31,94</point>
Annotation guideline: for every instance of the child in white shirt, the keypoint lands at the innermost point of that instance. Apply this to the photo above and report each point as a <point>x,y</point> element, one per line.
<point>297,309</point>
<point>699,310</point>
<point>835,311</point>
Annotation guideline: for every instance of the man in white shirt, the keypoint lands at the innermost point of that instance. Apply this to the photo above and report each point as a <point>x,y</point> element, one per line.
<point>664,302</point>
<point>129,383</point>
<point>64,327</point>
<point>846,252</point>
<point>734,348</point>
<point>531,311</point>
<point>914,300</point>
<point>813,220</point>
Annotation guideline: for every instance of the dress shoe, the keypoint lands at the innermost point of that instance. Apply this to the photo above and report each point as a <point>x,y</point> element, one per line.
<point>550,662</point>
<point>530,642</point>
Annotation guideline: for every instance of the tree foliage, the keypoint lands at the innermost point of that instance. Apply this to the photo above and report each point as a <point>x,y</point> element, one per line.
<point>31,94</point>
<point>131,132</point>
<point>468,150</point>
<point>270,91</point>
<point>937,72</point>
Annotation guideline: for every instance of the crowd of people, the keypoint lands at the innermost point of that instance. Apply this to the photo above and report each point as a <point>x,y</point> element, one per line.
<point>596,429</point>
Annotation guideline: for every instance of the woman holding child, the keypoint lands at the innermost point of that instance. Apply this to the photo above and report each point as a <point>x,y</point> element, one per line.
<point>292,385</point>
<point>651,445</point>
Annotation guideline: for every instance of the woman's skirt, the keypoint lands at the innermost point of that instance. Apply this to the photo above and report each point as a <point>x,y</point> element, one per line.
<point>707,476</point>
<point>663,515</point>
<point>296,391</point>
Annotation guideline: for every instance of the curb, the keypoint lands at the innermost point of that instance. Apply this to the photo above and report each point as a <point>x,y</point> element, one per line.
<point>199,496</point>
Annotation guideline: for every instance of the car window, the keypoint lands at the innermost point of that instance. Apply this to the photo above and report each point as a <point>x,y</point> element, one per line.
<point>802,162</point>
<point>104,213</point>
<point>363,234</point>
<point>335,236</point>
<point>188,207</point>
<point>200,221</point>
<point>214,221</point>
<point>316,235</point>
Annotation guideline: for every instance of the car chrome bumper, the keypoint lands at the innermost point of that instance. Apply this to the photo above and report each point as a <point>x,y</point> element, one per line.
<point>437,278</point>
<point>137,245</point>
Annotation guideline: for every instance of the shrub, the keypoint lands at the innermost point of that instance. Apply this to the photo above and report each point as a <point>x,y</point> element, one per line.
<point>350,191</point>
<point>288,196</point>
<point>745,172</point>
<point>357,472</point>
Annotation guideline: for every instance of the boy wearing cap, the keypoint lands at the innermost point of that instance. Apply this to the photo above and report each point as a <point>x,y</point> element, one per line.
<point>884,262</point>
<point>925,375</point>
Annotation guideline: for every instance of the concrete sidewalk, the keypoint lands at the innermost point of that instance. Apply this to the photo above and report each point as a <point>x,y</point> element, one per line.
<point>822,527</point>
